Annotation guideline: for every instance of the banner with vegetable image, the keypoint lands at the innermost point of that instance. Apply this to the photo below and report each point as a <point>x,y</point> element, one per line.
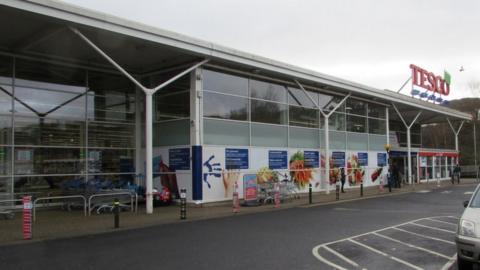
<point>337,161</point>
<point>355,172</point>
<point>300,174</point>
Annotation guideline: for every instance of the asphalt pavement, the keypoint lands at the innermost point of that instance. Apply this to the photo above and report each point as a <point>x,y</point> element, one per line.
<point>392,232</point>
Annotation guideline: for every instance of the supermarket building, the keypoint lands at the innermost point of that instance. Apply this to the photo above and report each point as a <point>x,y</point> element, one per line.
<point>86,96</point>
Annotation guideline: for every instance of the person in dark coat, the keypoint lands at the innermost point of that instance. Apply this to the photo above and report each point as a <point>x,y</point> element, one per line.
<point>456,172</point>
<point>342,178</point>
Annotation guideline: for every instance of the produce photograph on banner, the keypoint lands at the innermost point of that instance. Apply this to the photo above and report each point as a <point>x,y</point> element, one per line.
<point>355,168</point>
<point>337,161</point>
<point>304,168</point>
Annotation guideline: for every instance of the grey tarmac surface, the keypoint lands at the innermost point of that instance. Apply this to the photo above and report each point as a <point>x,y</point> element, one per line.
<point>282,239</point>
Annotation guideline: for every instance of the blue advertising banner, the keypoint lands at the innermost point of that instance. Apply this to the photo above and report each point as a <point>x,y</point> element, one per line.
<point>179,158</point>
<point>236,158</point>
<point>381,159</point>
<point>311,159</point>
<point>277,159</point>
<point>338,159</point>
<point>362,159</point>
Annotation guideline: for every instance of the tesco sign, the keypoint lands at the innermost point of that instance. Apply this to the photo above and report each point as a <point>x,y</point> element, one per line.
<point>429,81</point>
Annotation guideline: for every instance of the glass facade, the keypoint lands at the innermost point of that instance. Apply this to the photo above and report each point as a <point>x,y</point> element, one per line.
<point>62,124</point>
<point>244,111</point>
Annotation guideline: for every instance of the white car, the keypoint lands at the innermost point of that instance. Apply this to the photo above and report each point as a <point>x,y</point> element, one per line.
<point>468,233</point>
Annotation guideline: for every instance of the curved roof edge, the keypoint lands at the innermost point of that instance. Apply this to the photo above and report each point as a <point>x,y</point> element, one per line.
<point>108,22</point>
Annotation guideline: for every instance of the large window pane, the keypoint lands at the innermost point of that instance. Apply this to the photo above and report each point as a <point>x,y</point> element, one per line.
<point>110,98</point>
<point>42,185</point>
<point>5,189</point>
<point>38,102</point>
<point>303,137</point>
<point>337,140</point>
<point>33,160</point>
<point>269,112</point>
<point>44,131</point>
<point>5,99</point>
<point>336,121</point>
<point>5,160</point>
<point>303,117</point>
<point>298,97</point>
<point>111,161</point>
<point>219,132</point>
<point>225,106</point>
<point>356,123</point>
<point>225,83</point>
<point>111,106</point>
<point>268,91</point>
<point>170,133</point>
<point>377,142</point>
<point>376,126</point>
<point>172,101</point>
<point>5,129</point>
<point>357,141</point>
<point>269,135</point>
<point>377,111</point>
<point>328,102</point>
<point>172,106</point>
<point>355,106</point>
<point>102,134</point>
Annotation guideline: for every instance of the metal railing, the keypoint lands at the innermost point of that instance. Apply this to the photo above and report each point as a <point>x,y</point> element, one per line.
<point>132,197</point>
<point>59,198</point>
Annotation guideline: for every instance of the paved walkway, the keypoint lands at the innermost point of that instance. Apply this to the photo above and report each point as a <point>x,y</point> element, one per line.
<point>55,223</point>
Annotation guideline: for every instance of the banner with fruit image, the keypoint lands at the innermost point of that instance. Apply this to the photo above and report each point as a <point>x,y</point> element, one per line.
<point>300,171</point>
<point>355,172</point>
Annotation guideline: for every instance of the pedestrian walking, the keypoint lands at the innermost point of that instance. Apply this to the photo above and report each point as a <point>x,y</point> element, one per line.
<point>342,178</point>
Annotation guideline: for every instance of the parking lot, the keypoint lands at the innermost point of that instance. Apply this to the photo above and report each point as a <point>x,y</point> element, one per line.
<point>426,243</point>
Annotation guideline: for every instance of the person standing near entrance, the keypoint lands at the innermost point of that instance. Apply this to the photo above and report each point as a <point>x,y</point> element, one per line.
<point>456,172</point>
<point>342,178</point>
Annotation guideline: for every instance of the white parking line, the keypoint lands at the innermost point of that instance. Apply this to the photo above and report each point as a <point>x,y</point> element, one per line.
<point>319,257</point>
<point>425,236</point>
<point>449,264</point>
<point>441,221</point>
<point>452,217</point>
<point>315,250</point>
<point>433,228</point>
<point>412,246</point>
<point>341,256</point>
<point>385,254</point>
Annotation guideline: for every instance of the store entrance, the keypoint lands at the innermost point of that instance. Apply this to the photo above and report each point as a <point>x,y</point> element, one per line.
<point>400,169</point>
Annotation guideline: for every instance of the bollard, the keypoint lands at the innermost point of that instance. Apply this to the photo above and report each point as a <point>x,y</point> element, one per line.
<point>27,217</point>
<point>116,213</point>
<point>277,195</point>
<point>236,200</point>
<point>361,189</point>
<point>310,193</point>
<point>183,203</point>
<point>337,191</point>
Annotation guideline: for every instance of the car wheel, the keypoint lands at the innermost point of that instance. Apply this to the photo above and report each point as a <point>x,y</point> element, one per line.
<point>463,264</point>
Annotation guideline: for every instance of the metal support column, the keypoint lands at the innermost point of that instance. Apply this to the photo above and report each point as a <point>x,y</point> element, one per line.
<point>149,92</point>
<point>327,155</point>
<point>409,146</point>
<point>327,134</point>
<point>149,152</point>
<point>456,132</point>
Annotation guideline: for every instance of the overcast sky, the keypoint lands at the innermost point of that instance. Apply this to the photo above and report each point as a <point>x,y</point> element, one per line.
<point>369,41</point>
